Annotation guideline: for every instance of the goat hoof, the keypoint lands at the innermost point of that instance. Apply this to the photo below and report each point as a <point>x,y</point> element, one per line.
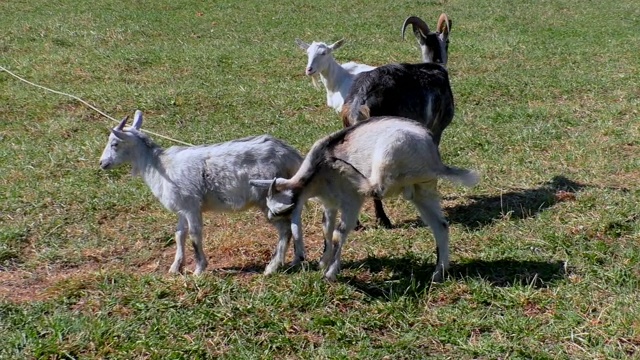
<point>175,269</point>
<point>325,262</point>
<point>437,277</point>
<point>271,269</point>
<point>330,277</point>
<point>297,261</point>
<point>199,270</point>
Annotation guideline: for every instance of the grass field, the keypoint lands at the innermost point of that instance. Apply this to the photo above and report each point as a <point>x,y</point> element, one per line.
<point>545,250</point>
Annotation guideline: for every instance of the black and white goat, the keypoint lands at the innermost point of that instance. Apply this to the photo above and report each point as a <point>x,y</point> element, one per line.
<point>379,157</point>
<point>421,92</point>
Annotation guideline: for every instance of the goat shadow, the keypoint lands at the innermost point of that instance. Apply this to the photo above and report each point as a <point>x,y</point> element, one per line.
<point>411,276</point>
<point>516,204</point>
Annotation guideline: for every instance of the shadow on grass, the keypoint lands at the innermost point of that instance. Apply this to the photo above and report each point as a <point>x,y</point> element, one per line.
<point>515,204</point>
<point>412,277</point>
<point>388,278</point>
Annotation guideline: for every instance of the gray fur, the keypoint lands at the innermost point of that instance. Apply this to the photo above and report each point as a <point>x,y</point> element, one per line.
<point>379,157</point>
<point>190,180</point>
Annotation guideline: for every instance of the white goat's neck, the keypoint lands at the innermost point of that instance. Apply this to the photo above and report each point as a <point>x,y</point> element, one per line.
<point>332,76</point>
<point>150,165</point>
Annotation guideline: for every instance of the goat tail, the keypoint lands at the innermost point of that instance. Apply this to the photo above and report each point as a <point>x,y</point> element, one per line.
<point>465,177</point>
<point>354,112</point>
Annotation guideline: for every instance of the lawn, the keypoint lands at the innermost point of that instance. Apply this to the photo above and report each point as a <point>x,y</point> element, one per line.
<point>545,250</point>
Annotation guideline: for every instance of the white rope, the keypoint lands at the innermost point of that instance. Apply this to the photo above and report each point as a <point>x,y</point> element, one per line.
<point>85,103</point>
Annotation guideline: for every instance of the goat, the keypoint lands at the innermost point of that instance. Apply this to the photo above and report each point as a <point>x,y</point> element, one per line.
<point>190,180</point>
<point>379,157</point>
<point>336,78</point>
<point>416,91</point>
<point>434,46</point>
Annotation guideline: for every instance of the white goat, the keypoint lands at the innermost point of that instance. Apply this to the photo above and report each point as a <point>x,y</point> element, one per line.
<point>379,157</point>
<point>190,180</point>
<point>336,78</point>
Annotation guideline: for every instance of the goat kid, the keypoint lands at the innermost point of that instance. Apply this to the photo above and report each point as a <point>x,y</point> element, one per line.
<point>336,78</point>
<point>190,180</point>
<point>379,157</point>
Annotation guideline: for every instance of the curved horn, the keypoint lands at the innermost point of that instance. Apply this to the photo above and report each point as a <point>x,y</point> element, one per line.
<point>272,188</point>
<point>418,25</point>
<point>443,21</point>
<point>122,123</point>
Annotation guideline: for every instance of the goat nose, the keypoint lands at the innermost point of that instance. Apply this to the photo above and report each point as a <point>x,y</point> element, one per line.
<point>309,70</point>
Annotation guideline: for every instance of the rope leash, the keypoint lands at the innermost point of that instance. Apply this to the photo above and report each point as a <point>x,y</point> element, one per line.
<point>86,104</point>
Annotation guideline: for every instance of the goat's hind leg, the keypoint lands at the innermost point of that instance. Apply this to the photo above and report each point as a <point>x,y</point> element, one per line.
<point>349,216</point>
<point>181,236</point>
<point>328,227</point>
<point>195,233</point>
<point>377,191</point>
<point>381,216</point>
<point>427,200</point>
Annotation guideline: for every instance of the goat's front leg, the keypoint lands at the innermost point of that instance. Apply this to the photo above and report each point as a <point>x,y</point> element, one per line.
<point>181,236</point>
<point>349,217</point>
<point>284,234</point>
<point>328,227</point>
<point>195,233</point>
<point>296,231</point>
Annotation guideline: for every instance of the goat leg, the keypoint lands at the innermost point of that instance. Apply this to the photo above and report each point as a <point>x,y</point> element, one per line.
<point>381,217</point>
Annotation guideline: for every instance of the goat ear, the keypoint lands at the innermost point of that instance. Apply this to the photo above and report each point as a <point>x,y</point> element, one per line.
<point>277,184</point>
<point>122,123</point>
<point>137,120</point>
<point>119,134</point>
<point>337,45</point>
<point>303,45</point>
<point>262,184</point>
<point>279,208</point>
<point>444,25</point>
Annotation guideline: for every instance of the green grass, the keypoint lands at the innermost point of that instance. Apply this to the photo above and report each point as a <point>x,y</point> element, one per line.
<point>545,251</point>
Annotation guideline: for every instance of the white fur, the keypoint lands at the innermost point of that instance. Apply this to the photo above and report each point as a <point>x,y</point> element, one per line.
<point>380,157</point>
<point>190,180</point>
<point>336,78</point>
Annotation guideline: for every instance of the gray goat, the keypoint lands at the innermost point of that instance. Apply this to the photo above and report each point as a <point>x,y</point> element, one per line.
<point>416,91</point>
<point>379,157</point>
<point>190,180</point>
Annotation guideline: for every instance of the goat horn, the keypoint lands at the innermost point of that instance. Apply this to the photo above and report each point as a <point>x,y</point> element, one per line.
<point>272,187</point>
<point>443,20</point>
<point>122,123</point>
<point>417,24</point>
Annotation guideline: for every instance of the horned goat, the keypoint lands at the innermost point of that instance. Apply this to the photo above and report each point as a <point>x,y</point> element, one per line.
<point>434,46</point>
<point>336,78</point>
<point>416,91</point>
<point>190,180</point>
<point>379,157</point>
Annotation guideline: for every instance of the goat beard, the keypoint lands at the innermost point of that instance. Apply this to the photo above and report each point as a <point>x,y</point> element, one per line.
<point>315,80</point>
